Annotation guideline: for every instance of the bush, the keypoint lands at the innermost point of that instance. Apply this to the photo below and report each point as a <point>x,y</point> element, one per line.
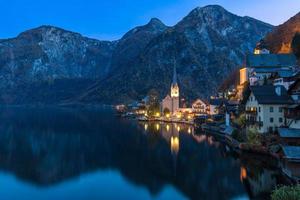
<point>286,193</point>
<point>241,121</point>
<point>253,137</point>
<point>238,135</point>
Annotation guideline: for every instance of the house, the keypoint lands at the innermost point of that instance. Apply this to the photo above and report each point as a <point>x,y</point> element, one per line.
<point>265,107</point>
<point>289,136</point>
<point>294,90</point>
<point>291,161</point>
<point>199,107</point>
<point>292,112</point>
<point>262,66</point>
<point>214,106</point>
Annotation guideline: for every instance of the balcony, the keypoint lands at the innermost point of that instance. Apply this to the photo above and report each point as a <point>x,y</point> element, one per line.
<point>292,115</point>
<point>251,112</point>
<point>254,122</point>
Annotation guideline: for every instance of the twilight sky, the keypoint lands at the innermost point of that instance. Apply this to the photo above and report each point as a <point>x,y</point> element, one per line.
<point>110,19</point>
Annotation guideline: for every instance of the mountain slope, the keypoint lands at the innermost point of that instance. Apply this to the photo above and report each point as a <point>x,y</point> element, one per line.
<point>134,41</point>
<point>52,65</point>
<point>43,55</point>
<point>279,40</point>
<point>205,47</point>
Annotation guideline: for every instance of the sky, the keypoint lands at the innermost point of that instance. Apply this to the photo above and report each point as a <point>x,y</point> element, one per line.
<point>111,19</point>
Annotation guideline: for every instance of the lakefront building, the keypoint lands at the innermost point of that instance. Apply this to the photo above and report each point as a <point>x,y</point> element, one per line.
<point>171,102</point>
<point>265,107</point>
<point>261,65</point>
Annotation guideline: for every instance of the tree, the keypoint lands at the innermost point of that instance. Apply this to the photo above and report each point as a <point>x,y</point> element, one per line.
<point>153,102</point>
<point>296,45</point>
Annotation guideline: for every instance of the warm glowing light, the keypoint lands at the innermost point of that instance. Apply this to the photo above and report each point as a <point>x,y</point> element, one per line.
<point>157,127</point>
<point>157,114</point>
<point>178,128</point>
<point>146,127</point>
<point>168,115</point>
<point>189,131</point>
<point>178,116</point>
<point>168,127</point>
<point>174,144</point>
<point>243,174</point>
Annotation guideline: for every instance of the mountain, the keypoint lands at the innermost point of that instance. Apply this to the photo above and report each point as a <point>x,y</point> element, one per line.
<point>52,65</point>
<point>133,42</point>
<point>49,58</point>
<point>205,47</point>
<point>279,40</point>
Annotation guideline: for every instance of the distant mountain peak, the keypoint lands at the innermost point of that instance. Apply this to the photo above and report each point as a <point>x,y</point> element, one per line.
<point>156,21</point>
<point>210,10</point>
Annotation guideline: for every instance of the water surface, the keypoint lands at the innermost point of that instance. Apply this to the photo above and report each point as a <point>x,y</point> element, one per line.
<point>89,153</point>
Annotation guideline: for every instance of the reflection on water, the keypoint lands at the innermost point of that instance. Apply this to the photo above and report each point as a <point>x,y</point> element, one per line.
<point>64,153</point>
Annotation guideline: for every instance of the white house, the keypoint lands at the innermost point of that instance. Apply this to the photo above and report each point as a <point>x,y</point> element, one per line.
<point>265,107</point>
<point>199,107</point>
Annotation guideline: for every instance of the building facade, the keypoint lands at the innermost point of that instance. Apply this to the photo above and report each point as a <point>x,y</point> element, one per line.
<point>265,108</point>
<point>171,102</point>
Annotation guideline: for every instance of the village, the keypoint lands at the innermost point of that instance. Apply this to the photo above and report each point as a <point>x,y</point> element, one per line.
<point>260,115</point>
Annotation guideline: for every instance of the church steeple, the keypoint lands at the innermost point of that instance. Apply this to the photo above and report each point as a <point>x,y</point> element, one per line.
<point>174,76</point>
<point>174,86</point>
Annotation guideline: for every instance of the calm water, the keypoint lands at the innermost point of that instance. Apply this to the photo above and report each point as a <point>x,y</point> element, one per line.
<point>64,153</point>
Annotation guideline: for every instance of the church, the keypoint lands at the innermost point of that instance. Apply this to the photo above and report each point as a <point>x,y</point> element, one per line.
<point>171,103</point>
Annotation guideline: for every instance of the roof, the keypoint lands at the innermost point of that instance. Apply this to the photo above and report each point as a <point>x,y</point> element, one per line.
<point>289,133</point>
<point>292,152</point>
<point>216,102</point>
<point>270,60</point>
<point>266,94</point>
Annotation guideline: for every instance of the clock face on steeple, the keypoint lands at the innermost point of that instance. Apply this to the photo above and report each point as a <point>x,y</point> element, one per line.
<point>174,90</point>
<point>174,86</point>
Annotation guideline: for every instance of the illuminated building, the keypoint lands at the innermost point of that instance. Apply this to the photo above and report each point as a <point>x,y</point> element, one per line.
<point>171,102</point>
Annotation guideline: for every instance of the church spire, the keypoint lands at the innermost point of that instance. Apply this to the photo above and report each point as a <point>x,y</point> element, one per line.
<point>174,86</point>
<point>174,75</point>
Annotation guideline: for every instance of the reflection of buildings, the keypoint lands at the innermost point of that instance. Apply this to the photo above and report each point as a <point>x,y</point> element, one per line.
<point>170,132</point>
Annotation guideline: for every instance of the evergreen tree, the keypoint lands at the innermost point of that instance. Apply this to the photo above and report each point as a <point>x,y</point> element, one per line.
<point>296,45</point>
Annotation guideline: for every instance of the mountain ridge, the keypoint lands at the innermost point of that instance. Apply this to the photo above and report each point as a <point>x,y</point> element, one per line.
<point>207,44</point>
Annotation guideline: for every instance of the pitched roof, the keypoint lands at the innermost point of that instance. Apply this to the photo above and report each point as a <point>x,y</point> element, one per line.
<point>292,152</point>
<point>289,133</point>
<point>216,102</point>
<point>266,94</point>
<point>270,60</point>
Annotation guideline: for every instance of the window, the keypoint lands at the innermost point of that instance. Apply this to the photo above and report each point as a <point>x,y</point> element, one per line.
<point>280,109</point>
<point>259,109</point>
<point>259,118</point>
<point>280,120</point>
<point>250,98</point>
<point>271,119</point>
<point>271,109</point>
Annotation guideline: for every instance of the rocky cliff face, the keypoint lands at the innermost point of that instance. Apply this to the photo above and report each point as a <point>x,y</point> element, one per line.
<point>205,47</point>
<point>47,54</point>
<point>279,40</point>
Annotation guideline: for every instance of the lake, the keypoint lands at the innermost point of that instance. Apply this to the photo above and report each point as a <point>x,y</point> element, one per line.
<point>90,153</point>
